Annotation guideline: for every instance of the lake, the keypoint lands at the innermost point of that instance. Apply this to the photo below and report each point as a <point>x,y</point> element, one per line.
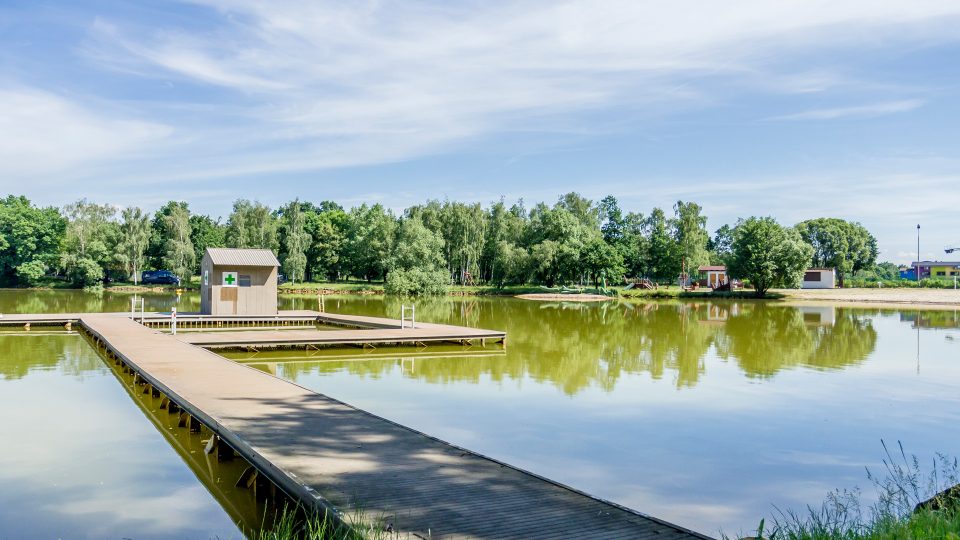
<point>702,413</point>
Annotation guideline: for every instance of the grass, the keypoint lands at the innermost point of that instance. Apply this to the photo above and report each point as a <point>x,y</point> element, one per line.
<point>293,524</point>
<point>674,291</point>
<point>362,287</point>
<point>911,505</point>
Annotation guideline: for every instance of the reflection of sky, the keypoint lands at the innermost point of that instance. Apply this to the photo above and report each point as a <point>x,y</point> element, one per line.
<point>714,455</point>
<point>80,461</point>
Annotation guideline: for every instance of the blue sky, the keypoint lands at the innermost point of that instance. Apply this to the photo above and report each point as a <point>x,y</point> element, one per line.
<point>792,108</point>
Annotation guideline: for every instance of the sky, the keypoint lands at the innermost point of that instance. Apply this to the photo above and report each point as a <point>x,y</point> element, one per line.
<point>791,108</point>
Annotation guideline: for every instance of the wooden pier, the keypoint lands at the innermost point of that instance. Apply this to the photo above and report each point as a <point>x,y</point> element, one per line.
<point>332,456</point>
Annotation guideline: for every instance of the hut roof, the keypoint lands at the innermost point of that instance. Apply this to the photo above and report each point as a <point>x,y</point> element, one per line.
<point>242,257</point>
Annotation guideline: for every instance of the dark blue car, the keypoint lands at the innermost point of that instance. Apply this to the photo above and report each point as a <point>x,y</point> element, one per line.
<point>159,277</point>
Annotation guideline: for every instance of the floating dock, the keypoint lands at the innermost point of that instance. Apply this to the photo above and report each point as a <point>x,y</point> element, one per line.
<point>331,456</point>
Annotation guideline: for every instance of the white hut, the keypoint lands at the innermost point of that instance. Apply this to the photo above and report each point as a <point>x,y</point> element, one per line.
<point>238,282</point>
<point>819,278</point>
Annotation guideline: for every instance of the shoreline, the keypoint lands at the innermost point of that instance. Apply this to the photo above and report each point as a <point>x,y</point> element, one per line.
<point>933,298</point>
<point>865,297</point>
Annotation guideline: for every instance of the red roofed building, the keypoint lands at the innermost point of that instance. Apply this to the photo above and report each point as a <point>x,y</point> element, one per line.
<point>715,275</point>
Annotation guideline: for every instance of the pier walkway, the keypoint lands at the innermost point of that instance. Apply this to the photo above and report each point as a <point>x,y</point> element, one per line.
<point>330,455</point>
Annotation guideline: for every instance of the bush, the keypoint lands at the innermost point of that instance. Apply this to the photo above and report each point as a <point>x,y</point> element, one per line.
<point>30,273</point>
<point>85,272</point>
<point>416,281</point>
<point>928,283</point>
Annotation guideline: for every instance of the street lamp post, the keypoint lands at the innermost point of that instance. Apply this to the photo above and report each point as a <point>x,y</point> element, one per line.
<point>918,253</point>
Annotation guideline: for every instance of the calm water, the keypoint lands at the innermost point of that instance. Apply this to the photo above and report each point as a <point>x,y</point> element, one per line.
<point>79,460</point>
<point>705,414</point>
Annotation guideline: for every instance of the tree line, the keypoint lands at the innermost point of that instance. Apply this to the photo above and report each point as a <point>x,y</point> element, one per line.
<point>427,247</point>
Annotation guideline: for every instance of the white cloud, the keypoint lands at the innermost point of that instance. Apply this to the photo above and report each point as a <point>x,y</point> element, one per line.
<point>328,84</point>
<point>870,110</point>
<point>42,133</point>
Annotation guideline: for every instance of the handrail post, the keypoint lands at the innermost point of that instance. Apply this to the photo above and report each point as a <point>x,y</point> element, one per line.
<point>403,316</point>
<point>141,310</point>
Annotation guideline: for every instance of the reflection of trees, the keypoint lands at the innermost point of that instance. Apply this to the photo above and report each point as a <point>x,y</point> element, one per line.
<point>69,354</point>
<point>849,341</point>
<point>571,345</point>
<point>765,339</point>
<point>76,301</point>
<point>575,346</point>
<point>931,319</point>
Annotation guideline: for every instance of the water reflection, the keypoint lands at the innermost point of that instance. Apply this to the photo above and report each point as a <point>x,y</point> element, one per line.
<point>703,413</point>
<point>78,461</point>
<point>74,301</point>
<point>577,346</point>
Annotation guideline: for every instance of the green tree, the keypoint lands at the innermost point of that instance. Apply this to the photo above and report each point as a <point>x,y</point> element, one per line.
<point>205,232</point>
<point>465,228</point>
<point>662,262</point>
<point>251,225</point>
<point>545,262</point>
<point>635,245</point>
<point>30,240</point>
<point>768,255</point>
<point>510,264</point>
<point>326,255</point>
<point>690,234</point>
<point>505,230</point>
<point>581,208</point>
<point>180,256</point>
<point>159,235</point>
<point>839,244</point>
<point>719,245</point>
<point>416,266</point>
<point>296,241</point>
<point>601,261</point>
<point>370,241</point>
<point>89,237</point>
<point>613,225</point>
<point>134,241</point>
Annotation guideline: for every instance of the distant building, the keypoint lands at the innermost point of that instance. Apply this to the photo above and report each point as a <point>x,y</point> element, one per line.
<point>238,282</point>
<point>935,269</point>
<point>819,278</point>
<point>711,276</point>
<point>908,273</point>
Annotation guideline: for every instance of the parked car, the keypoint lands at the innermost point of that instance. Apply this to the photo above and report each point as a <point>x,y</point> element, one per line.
<point>159,277</point>
<point>281,279</point>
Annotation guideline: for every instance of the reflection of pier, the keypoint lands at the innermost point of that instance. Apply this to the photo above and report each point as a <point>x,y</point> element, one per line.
<point>333,457</point>
<point>216,471</point>
<point>407,361</point>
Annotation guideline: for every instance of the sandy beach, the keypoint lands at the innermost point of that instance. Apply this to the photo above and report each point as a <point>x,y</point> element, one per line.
<point>926,297</point>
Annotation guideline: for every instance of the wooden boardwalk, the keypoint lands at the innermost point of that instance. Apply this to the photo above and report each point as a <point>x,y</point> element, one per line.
<point>330,455</point>
<point>420,335</point>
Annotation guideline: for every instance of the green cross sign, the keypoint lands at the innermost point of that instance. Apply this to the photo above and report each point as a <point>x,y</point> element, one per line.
<point>229,279</point>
